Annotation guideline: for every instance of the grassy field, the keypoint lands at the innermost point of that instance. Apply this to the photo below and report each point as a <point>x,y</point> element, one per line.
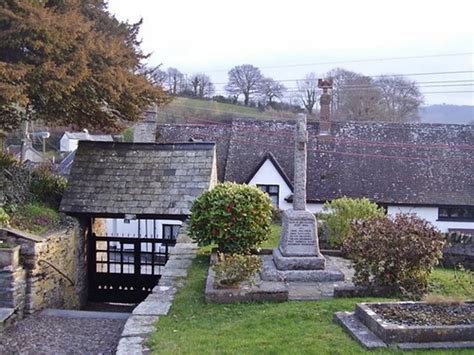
<point>183,109</point>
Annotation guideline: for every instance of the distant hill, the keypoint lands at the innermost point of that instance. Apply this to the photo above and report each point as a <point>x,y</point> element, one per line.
<point>447,114</point>
<point>183,109</point>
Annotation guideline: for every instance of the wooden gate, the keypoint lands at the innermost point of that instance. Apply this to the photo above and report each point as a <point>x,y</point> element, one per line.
<point>125,269</point>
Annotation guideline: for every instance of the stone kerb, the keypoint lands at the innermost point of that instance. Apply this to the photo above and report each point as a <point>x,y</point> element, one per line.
<point>141,322</point>
<point>373,331</point>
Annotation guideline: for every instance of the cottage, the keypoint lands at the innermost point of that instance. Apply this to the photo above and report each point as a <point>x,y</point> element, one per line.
<point>427,169</point>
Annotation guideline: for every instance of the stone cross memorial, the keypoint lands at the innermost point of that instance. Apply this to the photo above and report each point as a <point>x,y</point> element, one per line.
<point>299,247</point>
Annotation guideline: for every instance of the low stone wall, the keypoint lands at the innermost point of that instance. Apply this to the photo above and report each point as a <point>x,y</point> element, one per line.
<point>460,251</point>
<point>12,280</point>
<point>55,265</point>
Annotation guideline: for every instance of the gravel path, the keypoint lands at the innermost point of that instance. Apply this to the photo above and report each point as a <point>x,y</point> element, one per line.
<point>39,334</point>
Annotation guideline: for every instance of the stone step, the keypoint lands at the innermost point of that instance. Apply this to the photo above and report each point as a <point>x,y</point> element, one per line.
<point>7,316</point>
<point>69,313</point>
<point>358,330</point>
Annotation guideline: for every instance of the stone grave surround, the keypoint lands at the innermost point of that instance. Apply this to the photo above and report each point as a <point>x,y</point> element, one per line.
<point>297,257</point>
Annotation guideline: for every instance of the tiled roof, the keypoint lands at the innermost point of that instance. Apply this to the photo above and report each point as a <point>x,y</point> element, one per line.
<point>138,178</point>
<point>398,163</point>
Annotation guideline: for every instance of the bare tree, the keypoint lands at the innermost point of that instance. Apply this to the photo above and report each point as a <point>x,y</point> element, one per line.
<point>175,81</point>
<point>194,81</point>
<point>400,98</point>
<point>244,80</point>
<point>354,96</point>
<point>201,85</point>
<point>271,89</point>
<point>308,91</point>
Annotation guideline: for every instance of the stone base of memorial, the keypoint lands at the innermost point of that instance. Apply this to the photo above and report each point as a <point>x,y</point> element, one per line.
<point>298,257</point>
<point>410,325</point>
<point>260,291</point>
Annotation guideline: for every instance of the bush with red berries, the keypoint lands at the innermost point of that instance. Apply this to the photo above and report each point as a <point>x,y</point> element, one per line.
<point>237,218</point>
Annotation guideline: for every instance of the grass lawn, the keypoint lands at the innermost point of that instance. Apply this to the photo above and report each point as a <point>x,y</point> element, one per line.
<point>274,238</point>
<point>297,327</point>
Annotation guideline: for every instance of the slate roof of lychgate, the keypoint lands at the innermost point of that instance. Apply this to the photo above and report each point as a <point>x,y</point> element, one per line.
<point>393,163</point>
<point>138,178</point>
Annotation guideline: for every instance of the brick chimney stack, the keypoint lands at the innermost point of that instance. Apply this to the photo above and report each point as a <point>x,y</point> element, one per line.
<point>145,131</point>
<point>325,106</point>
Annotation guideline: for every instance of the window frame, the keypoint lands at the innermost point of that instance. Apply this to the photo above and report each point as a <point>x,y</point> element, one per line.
<point>172,226</point>
<point>450,218</point>
<point>267,188</point>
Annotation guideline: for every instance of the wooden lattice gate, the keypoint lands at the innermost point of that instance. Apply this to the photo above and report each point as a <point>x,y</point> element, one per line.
<point>124,269</point>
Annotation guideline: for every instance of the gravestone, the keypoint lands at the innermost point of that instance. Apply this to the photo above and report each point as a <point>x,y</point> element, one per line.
<point>299,246</point>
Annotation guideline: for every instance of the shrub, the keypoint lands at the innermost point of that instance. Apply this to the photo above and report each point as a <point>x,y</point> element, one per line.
<point>235,217</point>
<point>232,269</point>
<point>277,215</point>
<point>128,135</point>
<point>47,187</point>
<point>4,218</point>
<point>14,180</point>
<point>398,253</point>
<point>340,213</point>
<point>35,218</point>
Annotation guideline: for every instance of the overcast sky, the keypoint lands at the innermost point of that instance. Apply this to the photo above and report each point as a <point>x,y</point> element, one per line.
<point>213,36</point>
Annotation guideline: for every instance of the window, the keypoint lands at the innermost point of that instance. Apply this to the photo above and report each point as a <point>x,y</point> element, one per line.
<point>273,191</point>
<point>170,231</point>
<point>456,213</point>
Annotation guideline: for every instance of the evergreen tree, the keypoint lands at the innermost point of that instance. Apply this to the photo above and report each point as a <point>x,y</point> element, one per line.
<point>70,62</point>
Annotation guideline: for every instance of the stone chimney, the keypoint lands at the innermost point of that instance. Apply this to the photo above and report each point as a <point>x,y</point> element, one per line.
<point>145,131</point>
<point>325,106</point>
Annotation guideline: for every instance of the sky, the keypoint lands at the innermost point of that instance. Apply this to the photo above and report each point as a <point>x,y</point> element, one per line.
<point>288,39</point>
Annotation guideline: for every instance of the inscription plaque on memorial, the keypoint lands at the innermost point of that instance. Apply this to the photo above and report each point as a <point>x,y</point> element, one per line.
<point>301,233</point>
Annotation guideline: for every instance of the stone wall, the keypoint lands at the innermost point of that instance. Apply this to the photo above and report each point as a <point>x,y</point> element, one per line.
<point>56,268</point>
<point>12,280</point>
<point>460,251</point>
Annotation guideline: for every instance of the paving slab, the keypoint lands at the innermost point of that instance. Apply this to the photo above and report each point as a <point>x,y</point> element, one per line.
<point>139,325</point>
<point>304,291</point>
<point>152,308</point>
<point>130,346</point>
<point>179,263</point>
<point>170,272</point>
<point>160,289</point>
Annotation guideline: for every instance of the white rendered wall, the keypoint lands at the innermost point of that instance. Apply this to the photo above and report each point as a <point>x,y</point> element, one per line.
<point>117,227</point>
<point>269,175</point>
<point>431,215</point>
<point>68,145</point>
